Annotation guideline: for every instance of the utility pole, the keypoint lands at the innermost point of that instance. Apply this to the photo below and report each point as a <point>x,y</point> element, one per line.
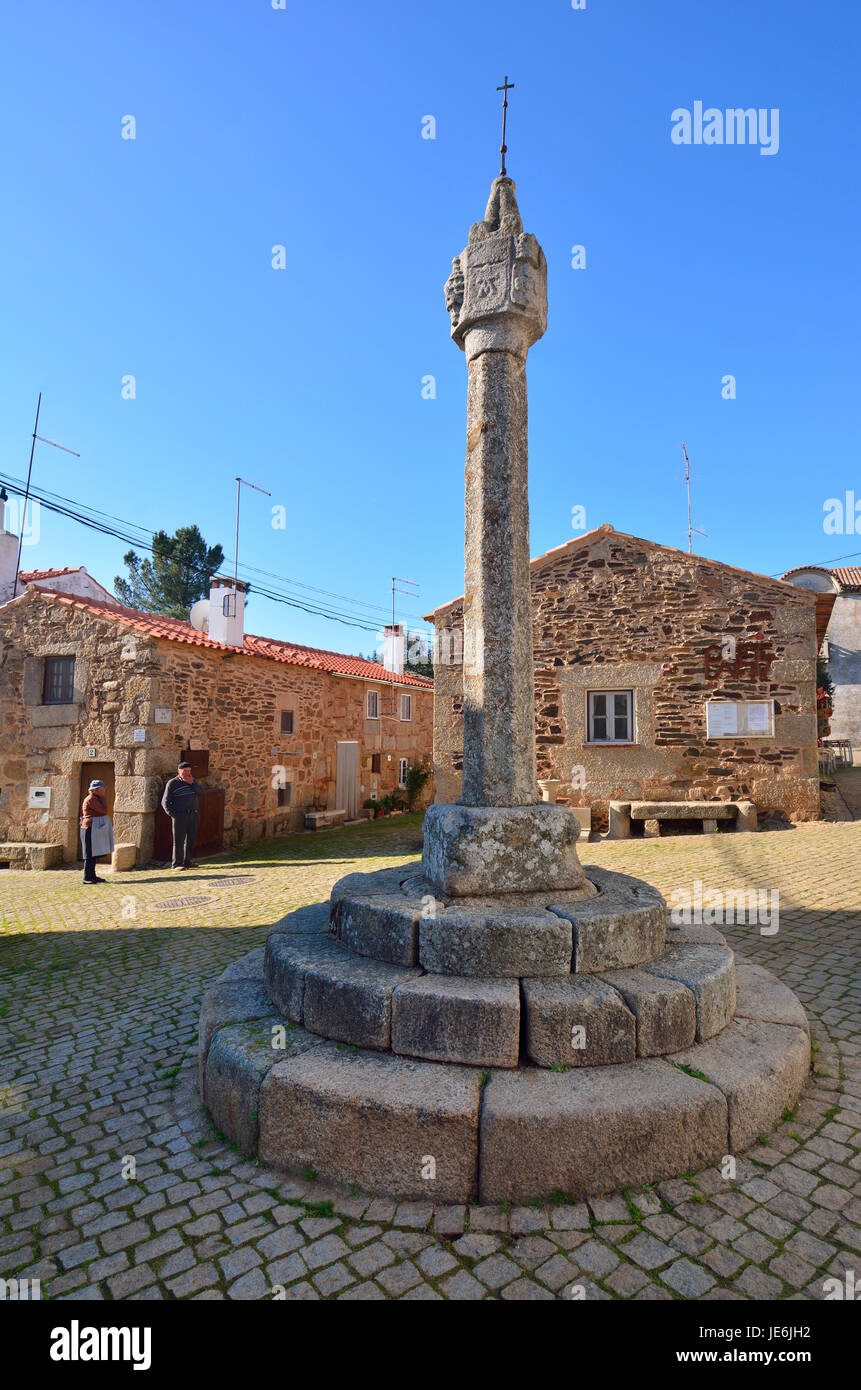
<point>29,476</point>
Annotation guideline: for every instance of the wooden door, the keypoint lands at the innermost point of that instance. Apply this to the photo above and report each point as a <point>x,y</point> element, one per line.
<point>210,832</point>
<point>95,772</point>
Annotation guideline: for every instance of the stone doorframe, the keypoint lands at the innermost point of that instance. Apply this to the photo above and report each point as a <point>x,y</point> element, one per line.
<point>575,682</point>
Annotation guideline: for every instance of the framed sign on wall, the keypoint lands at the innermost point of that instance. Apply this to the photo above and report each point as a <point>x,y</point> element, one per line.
<point>740,719</point>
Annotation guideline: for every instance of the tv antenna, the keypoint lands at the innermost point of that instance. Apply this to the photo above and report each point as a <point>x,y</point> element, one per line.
<point>692,530</point>
<point>53,445</point>
<point>240,484</point>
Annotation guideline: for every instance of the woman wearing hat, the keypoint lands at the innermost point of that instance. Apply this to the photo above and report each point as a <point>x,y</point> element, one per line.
<point>97,832</point>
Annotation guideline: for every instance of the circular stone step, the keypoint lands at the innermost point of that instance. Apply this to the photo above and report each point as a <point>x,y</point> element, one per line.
<point>394,916</point>
<point>442,1132</point>
<point>684,995</point>
<point>709,972</point>
<point>450,1019</point>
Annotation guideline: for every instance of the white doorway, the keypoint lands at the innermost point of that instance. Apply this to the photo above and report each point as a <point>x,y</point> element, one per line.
<point>347,779</point>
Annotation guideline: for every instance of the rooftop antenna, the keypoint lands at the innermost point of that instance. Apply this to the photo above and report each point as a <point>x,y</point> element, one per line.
<point>240,484</point>
<point>503,149</point>
<point>41,440</point>
<point>692,530</point>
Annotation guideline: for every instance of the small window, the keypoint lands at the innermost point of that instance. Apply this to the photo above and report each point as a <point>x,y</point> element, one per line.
<point>286,721</point>
<point>373,704</point>
<point>611,716</point>
<point>285,794</point>
<point>406,708</point>
<point>376,762</point>
<point>403,769</point>
<point>228,605</point>
<point>59,680</point>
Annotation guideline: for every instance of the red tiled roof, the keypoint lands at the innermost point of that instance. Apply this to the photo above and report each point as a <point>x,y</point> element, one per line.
<point>847,578</point>
<point>31,576</point>
<point>270,648</point>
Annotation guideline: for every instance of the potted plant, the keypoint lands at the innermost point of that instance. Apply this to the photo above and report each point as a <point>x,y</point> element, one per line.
<point>418,776</point>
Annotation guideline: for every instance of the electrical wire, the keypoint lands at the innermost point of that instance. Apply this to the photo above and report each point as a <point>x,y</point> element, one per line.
<point>101,521</point>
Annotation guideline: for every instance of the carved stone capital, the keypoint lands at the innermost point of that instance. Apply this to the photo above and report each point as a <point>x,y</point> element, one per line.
<point>497,291</point>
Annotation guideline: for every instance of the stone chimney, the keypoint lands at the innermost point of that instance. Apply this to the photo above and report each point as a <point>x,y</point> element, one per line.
<point>394,647</point>
<point>227,610</point>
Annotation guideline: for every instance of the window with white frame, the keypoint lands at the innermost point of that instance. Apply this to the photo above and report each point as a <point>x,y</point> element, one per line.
<point>403,769</point>
<point>373,704</point>
<point>610,716</point>
<point>406,708</point>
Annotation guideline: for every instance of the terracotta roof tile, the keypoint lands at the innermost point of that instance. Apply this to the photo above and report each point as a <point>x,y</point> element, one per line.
<point>270,648</point>
<point>848,577</point>
<point>31,576</point>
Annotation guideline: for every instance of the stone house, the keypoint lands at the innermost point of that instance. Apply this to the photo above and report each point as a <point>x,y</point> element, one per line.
<point>841,588</point>
<point>92,689</point>
<point>658,675</point>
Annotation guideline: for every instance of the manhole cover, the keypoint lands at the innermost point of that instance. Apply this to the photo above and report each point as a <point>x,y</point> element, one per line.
<point>169,903</point>
<point>228,882</point>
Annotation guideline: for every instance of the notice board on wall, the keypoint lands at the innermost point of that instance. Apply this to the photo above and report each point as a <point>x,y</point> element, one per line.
<point>740,719</point>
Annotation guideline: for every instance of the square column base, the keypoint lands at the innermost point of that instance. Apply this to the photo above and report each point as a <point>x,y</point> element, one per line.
<point>472,851</point>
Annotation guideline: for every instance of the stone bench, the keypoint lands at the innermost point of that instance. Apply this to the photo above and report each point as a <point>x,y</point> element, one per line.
<point>24,855</point>
<point>741,813</point>
<point>324,820</point>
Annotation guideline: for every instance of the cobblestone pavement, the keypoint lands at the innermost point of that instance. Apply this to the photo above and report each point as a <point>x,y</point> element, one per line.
<point>100,995</point>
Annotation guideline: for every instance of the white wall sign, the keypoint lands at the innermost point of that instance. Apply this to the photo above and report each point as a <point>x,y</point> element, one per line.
<point>40,798</point>
<point>140,735</point>
<point>740,719</point>
<point>163,715</point>
<point>92,754</point>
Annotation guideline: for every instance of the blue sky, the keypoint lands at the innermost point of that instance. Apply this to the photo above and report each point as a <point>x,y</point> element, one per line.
<point>301,127</point>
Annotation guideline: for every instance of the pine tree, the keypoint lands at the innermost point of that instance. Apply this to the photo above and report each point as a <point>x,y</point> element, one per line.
<point>175,578</point>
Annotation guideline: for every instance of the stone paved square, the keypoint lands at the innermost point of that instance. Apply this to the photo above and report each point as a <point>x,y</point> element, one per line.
<point>195,1219</point>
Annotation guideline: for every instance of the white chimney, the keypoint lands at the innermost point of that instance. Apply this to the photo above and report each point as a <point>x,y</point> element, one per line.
<point>227,611</point>
<point>394,646</point>
<point>8,551</point>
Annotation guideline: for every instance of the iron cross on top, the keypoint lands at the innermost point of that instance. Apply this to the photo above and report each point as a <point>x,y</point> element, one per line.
<point>503,149</point>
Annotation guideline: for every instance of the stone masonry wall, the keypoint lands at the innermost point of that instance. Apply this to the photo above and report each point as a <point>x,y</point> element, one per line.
<point>227,703</point>
<point>618,613</point>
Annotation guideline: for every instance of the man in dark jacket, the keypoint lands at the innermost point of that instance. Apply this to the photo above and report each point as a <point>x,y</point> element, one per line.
<point>180,802</point>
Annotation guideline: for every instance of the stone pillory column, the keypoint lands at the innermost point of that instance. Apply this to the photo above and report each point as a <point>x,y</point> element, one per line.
<point>500,837</point>
<point>497,297</point>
